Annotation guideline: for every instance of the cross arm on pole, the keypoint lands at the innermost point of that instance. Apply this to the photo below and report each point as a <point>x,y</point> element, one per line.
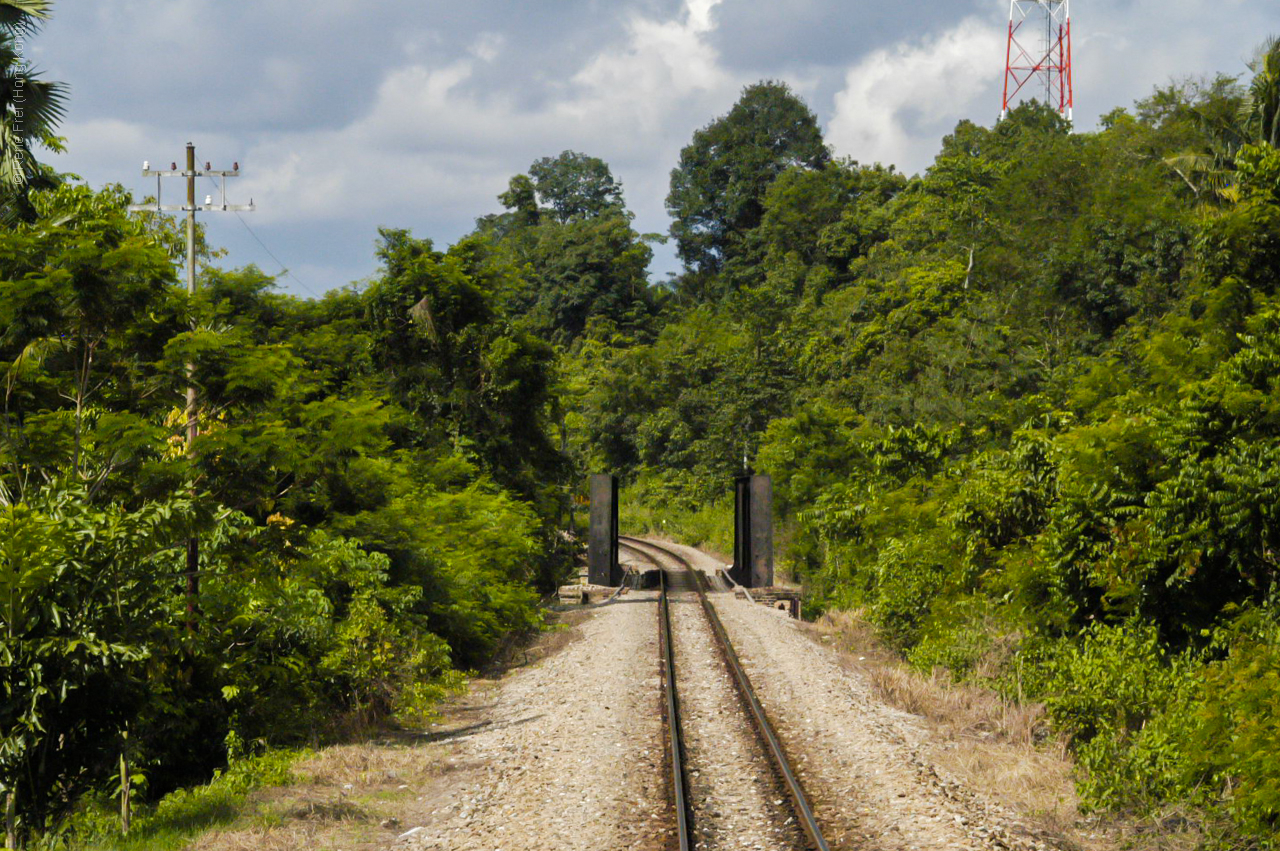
<point>153,172</point>
<point>200,208</point>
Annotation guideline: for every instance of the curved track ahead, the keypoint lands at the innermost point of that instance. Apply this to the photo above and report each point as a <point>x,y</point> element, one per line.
<point>764,729</point>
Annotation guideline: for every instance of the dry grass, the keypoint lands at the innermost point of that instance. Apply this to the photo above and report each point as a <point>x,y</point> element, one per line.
<point>1002,749</point>
<point>960,710</point>
<point>264,839</point>
<point>356,797</point>
<point>369,766</point>
<point>352,797</point>
<point>291,820</point>
<point>999,746</point>
<point>356,830</point>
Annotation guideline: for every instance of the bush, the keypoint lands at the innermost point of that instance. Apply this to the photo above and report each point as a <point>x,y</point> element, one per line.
<point>959,636</point>
<point>650,508</point>
<point>1126,701</point>
<point>909,577</point>
<point>1235,745</point>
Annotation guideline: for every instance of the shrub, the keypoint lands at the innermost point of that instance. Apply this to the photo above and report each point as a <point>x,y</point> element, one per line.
<point>1125,700</point>
<point>1235,745</point>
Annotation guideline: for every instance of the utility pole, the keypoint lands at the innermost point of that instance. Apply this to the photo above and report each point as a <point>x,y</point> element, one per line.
<point>191,208</point>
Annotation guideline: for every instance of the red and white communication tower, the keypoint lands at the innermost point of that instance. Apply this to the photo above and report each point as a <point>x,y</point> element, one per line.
<point>1039,53</point>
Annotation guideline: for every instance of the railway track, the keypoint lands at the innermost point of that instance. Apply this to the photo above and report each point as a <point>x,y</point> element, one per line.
<point>691,766</point>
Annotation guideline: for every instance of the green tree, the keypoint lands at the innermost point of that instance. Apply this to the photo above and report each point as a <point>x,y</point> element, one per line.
<point>1262,105</point>
<point>86,299</point>
<point>588,268</point>
<point>83,593</point>
<point>576,186</point>
<point>521,200</point>
<point>458,362</point>
<point>581,258</point>
<point>817,222</point>
<point>718,189</point>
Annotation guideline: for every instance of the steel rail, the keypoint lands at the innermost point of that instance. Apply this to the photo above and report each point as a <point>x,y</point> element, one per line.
<point>684,811</point>
<point>647,556</point>
<point>679,789</point>
<point>764,728</point>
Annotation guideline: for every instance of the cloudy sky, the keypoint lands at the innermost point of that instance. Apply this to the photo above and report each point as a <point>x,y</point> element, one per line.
<point>347,115</point>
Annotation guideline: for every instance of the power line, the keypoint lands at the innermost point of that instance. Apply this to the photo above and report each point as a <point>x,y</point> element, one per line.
<point>283,268</point>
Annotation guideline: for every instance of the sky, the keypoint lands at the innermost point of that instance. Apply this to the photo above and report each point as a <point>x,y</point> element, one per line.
<point>350,115</point>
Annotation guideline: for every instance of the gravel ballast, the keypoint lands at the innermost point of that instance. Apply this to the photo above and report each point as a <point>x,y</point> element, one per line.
<point>736,801</point>
<point>570,752</point>
<point>572,756</point>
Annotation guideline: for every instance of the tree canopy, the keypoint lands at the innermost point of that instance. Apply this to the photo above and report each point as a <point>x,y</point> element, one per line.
<point>576,186</point>
<point>718,189</point>
<point>566,224</point>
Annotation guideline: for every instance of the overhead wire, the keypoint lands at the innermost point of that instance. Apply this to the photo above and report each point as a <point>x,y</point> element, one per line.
<point>283,268</point>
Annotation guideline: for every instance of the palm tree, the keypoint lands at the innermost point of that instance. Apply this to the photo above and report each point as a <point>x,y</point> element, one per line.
<point>30,109</point>
<point>1211,166</point>
<point>1256,122</point>
<point>1261,108</point>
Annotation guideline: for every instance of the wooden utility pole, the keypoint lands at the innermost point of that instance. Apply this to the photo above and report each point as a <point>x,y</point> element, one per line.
<point>191,173</point>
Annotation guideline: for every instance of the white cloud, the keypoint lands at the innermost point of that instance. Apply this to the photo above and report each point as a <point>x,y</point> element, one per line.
<point>107,139</point>
<point>126,144</point>
<point>488,46</point>
<point>431,140</point>
<point>898,101</point>
<point>662,64</point>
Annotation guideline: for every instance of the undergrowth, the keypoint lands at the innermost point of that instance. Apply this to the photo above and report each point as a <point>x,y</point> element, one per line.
<point>647,509</point>
<point>180,816</point>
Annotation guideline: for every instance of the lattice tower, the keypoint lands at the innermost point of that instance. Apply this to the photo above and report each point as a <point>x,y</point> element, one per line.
<point>1038,54</point>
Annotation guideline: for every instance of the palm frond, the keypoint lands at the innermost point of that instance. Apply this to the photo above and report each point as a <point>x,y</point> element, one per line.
<point>44,105</point>
<point>30,112</point>
<point>31,358</point>
<point>24,16</point>
<point>1260,111</point>
<point>1204,171</point>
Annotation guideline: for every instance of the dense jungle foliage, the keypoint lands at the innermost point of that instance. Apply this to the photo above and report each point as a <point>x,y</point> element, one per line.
<point>1022,411</point>
<point>373,490</point>
<point>375,493</point>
